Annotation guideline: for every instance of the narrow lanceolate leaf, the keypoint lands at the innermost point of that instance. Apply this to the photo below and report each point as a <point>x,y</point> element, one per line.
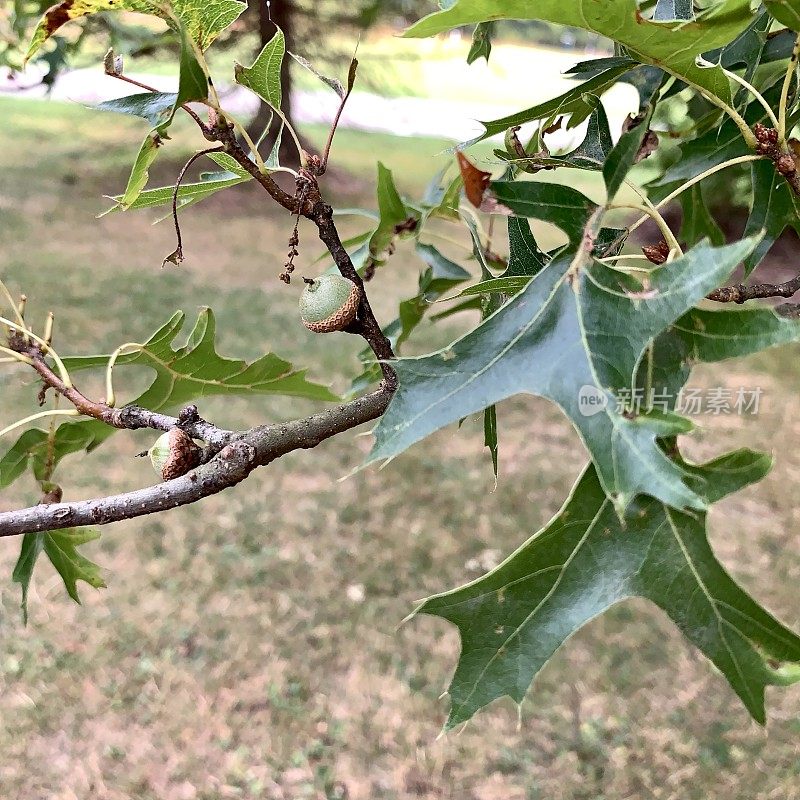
<point>584,561</point>
<point>392,212</point>
<point>155,107</point>
<point>264,76</point>
<point>203,21</point>
<point>673,46</point>
<point>561,338</point>
<point>507,286</point>
<point>140,172</point>
<point>189,193</point>
<point>181,374</point>
<point>775,207</point>
<point>61,548</point>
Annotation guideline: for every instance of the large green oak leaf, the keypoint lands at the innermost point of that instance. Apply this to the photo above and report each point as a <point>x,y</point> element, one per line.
<point>586,560</point>
<point>575,335</point>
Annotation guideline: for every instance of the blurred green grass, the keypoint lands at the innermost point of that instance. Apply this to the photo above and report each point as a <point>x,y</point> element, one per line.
<point>248,646</point>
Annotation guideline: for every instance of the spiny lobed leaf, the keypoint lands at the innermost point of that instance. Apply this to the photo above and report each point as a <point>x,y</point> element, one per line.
<point>61,548</point>
<point>672,46</point>
<point>182,374</point>
<point>562,337</point>
<point>584,561</point>
<point>589,154</point>
<point>196,370</point>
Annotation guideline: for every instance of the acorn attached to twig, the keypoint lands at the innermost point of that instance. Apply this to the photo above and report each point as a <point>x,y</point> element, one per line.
<point>329,303</point>
<point>174,454</point>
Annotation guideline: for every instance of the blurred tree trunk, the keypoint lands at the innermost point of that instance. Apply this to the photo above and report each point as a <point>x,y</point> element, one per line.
<point>280,13</point>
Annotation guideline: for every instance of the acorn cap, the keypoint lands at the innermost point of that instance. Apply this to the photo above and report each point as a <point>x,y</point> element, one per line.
<point>329,303</point>
<point>174,454</point>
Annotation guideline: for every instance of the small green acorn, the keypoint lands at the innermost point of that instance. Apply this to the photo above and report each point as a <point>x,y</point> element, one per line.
<point>174,454</point>
<point>329,303</point>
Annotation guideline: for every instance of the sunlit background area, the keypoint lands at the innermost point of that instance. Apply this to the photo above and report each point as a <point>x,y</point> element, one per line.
<point>253,645</point>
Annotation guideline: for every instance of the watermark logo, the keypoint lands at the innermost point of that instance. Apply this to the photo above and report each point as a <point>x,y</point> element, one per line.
<point>713,401</point>
<point>591,400</point>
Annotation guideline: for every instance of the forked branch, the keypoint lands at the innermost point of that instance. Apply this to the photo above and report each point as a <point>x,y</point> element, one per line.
<point>231,456</point>
<point>231,465</point>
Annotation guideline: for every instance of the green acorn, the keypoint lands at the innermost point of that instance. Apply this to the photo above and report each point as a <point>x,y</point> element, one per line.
<point>329,303</point>
<point>174,454</point>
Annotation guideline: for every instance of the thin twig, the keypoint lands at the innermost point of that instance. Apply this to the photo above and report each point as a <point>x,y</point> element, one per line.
<point>791,69</point>
<point>177,256</point>
<point>351,79</point>
<point>740,293</point>
<point>231,465</point>
<point>697,178</point>
<point>128,417</point>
